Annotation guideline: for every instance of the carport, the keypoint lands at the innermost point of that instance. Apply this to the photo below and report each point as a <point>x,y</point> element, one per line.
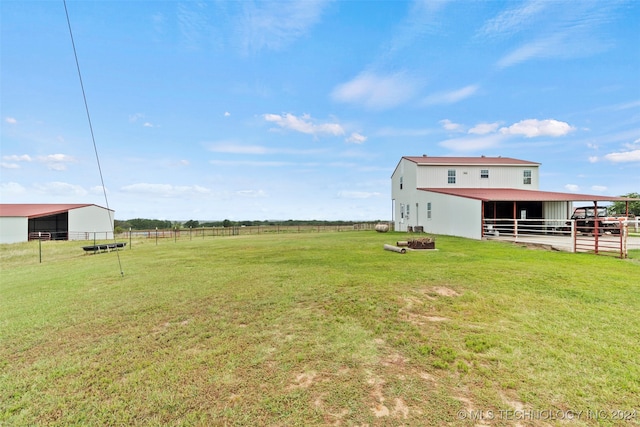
<point>512,213</point>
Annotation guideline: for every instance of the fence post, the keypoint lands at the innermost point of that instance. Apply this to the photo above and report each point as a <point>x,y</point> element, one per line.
<point>573,235</point>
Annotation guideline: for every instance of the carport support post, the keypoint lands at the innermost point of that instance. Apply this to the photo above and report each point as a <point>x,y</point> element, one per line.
<point>515,221</point>
<point>482,219</point>
<point>40,245</point>
<point>596,232</point>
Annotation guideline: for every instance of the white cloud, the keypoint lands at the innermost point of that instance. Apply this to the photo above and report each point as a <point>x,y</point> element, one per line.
<point>357,194</point>
<point>250,163</point>
<point>147,124</point>
<point>234,148</point>
<point>624,157</point>
<point>56,162</point>
<point>98,189</point>
<point>473,143</point>
<point>484,128</point>
<point>486,135</point>
<point>451,126</point>
<point>564,30</point>
<point>356,138</point>
<point>593,159</point>
<point>135,117</point>
<point>10,120</point>
<point>450,97</point>
<point>61,189</point>
<point>572,187</point>
<point>165,190</point>
<point>12,161</point>
<point>17,158</point>
<point>599,188</point>
<point>251,193</point>
<point>533,127</point>
<point>227,114</point>
<point>376,92</point>
<point>304,124</point>
<point>12,188</point>
<point>512,20</point>
<point>273,26</point>
<point>541,48</point>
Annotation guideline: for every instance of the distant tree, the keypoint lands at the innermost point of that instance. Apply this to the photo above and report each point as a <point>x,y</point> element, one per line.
<point>122,224</point>
<point>191,223</point>
<point>226,223</point>
<point>620,207</point>
<point>148,224</point>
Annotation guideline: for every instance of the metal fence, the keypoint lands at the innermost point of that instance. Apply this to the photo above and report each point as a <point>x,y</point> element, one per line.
<point>563,234</point>
<point>204,232</point>
<point>70,235</point>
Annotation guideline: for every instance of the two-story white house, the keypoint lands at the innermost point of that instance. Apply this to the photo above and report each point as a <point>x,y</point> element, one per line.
<point>454,195</point>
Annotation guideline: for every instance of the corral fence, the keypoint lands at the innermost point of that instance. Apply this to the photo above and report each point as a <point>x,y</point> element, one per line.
<point>70,235</point>
<point>204,232</point>
<point>563,234</point>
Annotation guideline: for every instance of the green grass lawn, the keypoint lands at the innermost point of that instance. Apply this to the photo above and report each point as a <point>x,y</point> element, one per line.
<point>317,329</point>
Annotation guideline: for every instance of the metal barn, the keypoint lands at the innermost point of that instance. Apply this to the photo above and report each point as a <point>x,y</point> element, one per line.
<point>23,222</point>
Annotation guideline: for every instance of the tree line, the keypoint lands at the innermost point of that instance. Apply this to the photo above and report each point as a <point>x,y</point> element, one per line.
<point>151,224</point>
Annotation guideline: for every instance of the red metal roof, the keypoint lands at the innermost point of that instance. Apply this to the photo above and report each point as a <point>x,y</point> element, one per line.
<point>37,210</point>
<point>482,160</point>
<point>515,195</point>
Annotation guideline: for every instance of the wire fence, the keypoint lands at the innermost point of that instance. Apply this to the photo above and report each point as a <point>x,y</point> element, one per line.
<point>570,235</point>
<point>204,232</point>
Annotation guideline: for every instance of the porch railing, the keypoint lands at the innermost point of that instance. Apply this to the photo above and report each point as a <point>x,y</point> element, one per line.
<point>562,233</point>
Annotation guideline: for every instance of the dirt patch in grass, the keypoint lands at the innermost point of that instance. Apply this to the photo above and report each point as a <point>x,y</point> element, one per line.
<point>445,291</point>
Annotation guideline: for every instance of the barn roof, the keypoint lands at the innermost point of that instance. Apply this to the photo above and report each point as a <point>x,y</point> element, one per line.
<point>515,195</point>
<point>30,210</point>
<point>482,160</point>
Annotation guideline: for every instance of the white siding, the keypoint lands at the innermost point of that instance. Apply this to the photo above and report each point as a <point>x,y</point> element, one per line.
<point>436,176</point>
<point>83,222</point>
<point>14,229</point>
<point>406,171</point>
<point>557,210</point>
<point>451,215</point>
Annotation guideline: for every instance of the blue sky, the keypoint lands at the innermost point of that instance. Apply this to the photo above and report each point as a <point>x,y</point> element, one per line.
<point>215,110</point>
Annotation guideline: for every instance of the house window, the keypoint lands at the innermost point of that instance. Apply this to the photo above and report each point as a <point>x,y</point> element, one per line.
<point>401,183</point>
<point>527,177</point>
<point>451,176</point>
<point>428,210</point>
<point>408,211</point>
<point>484,173</point>
<point>401,210</point>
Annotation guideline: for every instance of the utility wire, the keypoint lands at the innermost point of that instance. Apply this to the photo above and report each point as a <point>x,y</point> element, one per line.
<point>93,139</point>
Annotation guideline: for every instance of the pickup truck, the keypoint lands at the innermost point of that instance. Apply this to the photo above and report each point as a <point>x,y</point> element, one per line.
<point>585,219</point>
